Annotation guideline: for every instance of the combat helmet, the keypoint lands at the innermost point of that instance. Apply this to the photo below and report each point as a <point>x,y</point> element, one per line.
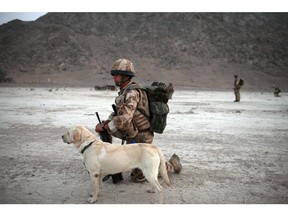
<point>123,67</point>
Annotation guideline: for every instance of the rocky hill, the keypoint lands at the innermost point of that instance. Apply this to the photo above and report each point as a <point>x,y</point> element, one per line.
<point>193,50</point>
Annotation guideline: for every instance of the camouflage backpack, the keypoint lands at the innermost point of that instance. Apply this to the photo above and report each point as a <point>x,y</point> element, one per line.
<point>158,97</point>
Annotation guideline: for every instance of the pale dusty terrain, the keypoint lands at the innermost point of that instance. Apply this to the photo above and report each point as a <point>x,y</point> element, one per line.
<point>232,153</point>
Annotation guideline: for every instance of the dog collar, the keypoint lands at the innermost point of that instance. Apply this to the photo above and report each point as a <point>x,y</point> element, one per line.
<point>86,147</point>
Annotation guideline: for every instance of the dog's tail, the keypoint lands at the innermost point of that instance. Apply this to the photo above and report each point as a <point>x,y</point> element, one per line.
<point>162,168</point>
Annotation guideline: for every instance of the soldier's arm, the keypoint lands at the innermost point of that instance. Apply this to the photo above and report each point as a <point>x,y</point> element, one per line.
<point>125,113</point>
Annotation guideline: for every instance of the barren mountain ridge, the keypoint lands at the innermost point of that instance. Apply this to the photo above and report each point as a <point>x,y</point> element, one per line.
<point>193,50</point>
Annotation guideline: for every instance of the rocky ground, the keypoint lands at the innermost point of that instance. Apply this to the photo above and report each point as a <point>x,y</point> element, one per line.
<point>232,153</point>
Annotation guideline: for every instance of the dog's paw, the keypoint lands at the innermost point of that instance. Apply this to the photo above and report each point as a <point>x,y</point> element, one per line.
<point>92,199</point>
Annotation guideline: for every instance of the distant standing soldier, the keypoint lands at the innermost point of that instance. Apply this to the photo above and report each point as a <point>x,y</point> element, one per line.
<point>277,91</point>
<point>170,90</point>
<point>238,83</point>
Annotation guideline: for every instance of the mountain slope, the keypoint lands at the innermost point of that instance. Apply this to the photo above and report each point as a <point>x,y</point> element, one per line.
<point>197,50</point>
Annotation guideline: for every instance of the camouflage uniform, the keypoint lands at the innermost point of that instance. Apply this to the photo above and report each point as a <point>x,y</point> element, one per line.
<point>129,123</point>
<point>170,90</point>
<point>236,88</point>
<point>277,92</point>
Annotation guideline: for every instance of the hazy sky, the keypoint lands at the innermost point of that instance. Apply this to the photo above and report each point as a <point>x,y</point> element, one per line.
<point>130,6</point>
<point>24,16</point>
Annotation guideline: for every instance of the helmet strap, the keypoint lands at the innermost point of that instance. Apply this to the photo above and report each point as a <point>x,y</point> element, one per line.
<point>123,80</point>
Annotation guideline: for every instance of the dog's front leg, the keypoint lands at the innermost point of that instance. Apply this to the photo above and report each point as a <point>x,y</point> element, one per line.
<point>95,184</point>
<point>100,182</point>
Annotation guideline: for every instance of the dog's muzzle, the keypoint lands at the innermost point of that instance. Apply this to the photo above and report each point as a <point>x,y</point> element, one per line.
<point>63,138</point>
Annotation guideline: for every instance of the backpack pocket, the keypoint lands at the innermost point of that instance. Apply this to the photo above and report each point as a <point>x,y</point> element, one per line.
<point>158,112</point>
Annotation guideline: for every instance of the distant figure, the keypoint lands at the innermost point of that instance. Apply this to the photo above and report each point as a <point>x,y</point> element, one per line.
<point>238,83</point>
<point>277,92</point>
<point>170,90</point>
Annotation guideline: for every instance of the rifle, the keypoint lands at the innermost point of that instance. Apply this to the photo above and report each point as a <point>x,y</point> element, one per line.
<point>106,137</point>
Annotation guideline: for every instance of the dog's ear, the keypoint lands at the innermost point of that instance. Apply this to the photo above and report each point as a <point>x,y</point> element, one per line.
<point>77,135</point>
<point>86,134</point>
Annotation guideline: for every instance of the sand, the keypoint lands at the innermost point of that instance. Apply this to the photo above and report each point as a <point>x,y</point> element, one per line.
<point>232,153</point>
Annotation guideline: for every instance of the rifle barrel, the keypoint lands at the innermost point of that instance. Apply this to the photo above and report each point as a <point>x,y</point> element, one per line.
<point>98,117</point>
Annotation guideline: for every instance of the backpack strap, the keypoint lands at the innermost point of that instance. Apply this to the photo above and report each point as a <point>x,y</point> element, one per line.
<point>133,86</point>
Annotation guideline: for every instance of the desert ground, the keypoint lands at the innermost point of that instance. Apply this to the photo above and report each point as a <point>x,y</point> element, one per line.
<point>232,153</point>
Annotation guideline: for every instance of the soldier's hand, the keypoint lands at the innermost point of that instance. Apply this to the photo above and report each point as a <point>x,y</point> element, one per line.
<point>102,127</point>
<point>99,128</point>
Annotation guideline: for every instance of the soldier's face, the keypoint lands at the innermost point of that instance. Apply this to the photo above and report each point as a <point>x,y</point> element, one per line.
<point>119,79</point>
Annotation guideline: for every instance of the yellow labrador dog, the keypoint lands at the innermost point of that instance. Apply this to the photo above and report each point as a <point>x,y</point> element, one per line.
<point>105,158</point>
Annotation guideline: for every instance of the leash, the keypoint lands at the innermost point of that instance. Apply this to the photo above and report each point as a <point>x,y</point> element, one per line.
<point>106,178</point>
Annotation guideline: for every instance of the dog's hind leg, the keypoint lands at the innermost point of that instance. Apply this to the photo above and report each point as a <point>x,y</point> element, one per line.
<point>152,179</point>
<point>96,187</point>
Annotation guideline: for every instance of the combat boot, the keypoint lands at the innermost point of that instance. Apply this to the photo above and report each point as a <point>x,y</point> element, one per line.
<point>174,165</point>
<point>137,175</point>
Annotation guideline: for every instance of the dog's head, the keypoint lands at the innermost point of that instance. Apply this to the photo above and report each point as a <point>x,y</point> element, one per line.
<point>77,136</point>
